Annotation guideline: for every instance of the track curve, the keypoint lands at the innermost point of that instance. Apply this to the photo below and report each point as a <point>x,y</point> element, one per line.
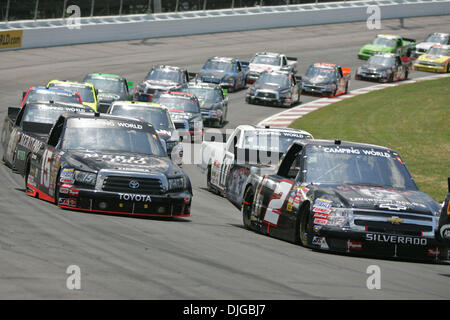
<point>209,255</point>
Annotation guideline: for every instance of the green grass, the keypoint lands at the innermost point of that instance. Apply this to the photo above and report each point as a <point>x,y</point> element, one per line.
<point>413,119</point>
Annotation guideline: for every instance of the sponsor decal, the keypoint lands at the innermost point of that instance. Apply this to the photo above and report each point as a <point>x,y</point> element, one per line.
<point>130,125</point>
<point>11,39</point>
<point>320,215</point>
<point>392,206</point>
<point>21,155</point>
<point>320,221</point>
<point>135,197</point>
<point>396,239</point>
<point>67,202</point>
<point>434,252</point>
<point>30,143</point>
<point>354,245</point>
<point>67,176</point>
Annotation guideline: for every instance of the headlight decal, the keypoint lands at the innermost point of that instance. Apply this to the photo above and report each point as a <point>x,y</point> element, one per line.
<point>84,177</point>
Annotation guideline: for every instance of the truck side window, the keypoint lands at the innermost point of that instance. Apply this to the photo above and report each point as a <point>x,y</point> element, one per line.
<point>234,137</point>
<point>284,61</point>
<point>55,134</point>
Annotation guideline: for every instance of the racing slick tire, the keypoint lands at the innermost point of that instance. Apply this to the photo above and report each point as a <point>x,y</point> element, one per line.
<point>303,225</point>
<point>448,67</point>
<point>346,88</point>
<point>391,78</point>
<point>247,207</point>
<point>406,75</point>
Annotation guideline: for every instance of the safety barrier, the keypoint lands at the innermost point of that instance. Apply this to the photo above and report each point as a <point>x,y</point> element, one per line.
<point>53,32</point>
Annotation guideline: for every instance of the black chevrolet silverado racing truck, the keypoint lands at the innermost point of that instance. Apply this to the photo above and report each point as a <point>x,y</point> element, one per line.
<point>26,129</point>
<point>108,164</point>
<point>160,79</point>
<point>345,197</point>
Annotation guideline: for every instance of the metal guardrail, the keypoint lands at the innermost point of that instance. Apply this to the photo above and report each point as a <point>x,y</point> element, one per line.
<point>13,10</point>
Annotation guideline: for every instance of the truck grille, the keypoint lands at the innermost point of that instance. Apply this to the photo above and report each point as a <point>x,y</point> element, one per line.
<point>122,184</point>
<point>269,95</point>
<point>413,224</point>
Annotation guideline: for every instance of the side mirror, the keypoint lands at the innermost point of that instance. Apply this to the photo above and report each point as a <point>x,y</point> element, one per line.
<point>12,113</point>
<point>130,84</point>
<point>24,94</point>
<point>225,92</point>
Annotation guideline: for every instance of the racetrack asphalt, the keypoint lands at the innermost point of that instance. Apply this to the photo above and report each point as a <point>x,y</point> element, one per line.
<point>208,255</point>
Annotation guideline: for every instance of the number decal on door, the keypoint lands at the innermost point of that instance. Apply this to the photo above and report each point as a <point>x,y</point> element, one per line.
<point>276,202</point>
<point>45,168</point>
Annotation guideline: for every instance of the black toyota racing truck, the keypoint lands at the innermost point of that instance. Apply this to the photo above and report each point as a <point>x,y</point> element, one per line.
<point>345,197</point>
<point>26,129</point>
<point>108,164</point>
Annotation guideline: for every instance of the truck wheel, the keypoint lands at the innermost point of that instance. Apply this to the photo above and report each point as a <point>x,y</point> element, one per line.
<point>303,225</point>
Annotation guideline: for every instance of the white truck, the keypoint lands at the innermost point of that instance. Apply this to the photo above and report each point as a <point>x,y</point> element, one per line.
<point>268,61</point>
<point>248,146</point>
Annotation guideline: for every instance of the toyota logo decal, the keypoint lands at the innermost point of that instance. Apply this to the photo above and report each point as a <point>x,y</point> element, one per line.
<point>133,184</point>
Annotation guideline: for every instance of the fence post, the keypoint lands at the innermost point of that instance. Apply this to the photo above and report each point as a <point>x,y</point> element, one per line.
<point>92,7</point>
<point>204,5</point>
<point>64,9</point>
<point>36,9</point>
<point>120,8</point>
<point>7,10</point>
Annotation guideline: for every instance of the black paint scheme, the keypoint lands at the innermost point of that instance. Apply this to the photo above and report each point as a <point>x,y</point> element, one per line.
<point>130,176</point>
<point>110,88</point>
<point>212,100</point>
<point>385,67</point>
<point>444,220</point>
<point>26,129</point>
<point>159,79</point>
<point>344,216</point>
<point>278,88</point>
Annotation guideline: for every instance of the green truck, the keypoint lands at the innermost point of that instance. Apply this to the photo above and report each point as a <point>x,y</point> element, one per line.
<point>388,43</point>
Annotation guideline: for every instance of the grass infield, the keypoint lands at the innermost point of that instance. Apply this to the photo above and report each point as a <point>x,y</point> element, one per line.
<point>413,119</point>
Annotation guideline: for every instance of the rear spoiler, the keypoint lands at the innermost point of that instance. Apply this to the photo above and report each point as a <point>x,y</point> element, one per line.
<point>346,71</point>
<point>292,58</point>
<point>244,64</point>
<point>36,127</point>
<point>409,39</point>
<point>214,136</point>
<point>192,75</point>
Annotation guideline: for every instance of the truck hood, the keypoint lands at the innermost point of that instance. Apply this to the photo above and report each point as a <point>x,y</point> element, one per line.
<point>376,48</point>
<point>433,58</point>
<point>95,161</point>
<point>364,197</point>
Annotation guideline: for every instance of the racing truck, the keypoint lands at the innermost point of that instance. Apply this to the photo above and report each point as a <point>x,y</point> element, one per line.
<point>107,164</point>
<point>159,117</point>
<point>388,43</point>
<point>278,88</point>
<point>247,146</point>
<point>229,73</point>
<point>44,94</point>
<point>326,79</point>
<point>268,61</point>
<point>110,87</point>
<point>345,197</point>
<point>160,79</point>
<point>385,67</point>
<point>433,38</point>
<point>26,128</point>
